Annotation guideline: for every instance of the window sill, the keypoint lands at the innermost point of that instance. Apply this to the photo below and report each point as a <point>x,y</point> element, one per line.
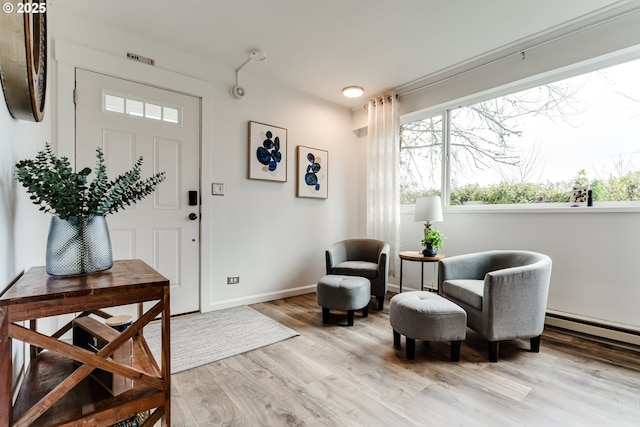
<point>556,208</point>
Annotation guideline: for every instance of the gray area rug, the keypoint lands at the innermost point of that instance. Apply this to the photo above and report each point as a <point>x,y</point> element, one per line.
<point>204,338</point>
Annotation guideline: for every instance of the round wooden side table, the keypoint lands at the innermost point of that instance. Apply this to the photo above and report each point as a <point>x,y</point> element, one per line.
<point>417,256</point>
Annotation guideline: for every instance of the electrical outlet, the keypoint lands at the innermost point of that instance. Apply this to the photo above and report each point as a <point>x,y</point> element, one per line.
<point>233,280</point>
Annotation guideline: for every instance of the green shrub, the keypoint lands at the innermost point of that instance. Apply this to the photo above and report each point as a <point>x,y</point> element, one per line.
<point>613,189</point>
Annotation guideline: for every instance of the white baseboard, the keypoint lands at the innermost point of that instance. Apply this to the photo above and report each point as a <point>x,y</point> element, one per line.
<point>254,299</point>
<point>595,328</point>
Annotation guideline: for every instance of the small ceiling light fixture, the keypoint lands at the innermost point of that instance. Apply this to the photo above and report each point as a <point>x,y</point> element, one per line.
<point>238,91</point>
<point>352,91</point>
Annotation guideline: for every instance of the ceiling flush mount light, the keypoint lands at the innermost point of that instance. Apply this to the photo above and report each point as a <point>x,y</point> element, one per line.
<point>238,91</point>
<point>352,91</point>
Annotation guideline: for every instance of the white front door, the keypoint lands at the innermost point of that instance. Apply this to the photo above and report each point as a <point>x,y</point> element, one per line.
<point>129,120</point>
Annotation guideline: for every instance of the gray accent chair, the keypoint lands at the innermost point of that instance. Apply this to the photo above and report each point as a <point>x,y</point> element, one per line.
<point>367,258</point>
<point>504,293</point>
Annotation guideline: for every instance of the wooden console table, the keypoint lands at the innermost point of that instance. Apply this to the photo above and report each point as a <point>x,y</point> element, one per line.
<point>55,391</point>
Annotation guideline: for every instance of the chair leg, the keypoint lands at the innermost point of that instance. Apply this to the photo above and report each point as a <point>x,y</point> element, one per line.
<point>396,339</point>
<point>493,351</point>
<point>535,344</point>
<point>455,350</point>
<point>365,311</point>
<point>350,317</point>
<point>411,348</point>
<point>380,302</point>
<point>325,315</point>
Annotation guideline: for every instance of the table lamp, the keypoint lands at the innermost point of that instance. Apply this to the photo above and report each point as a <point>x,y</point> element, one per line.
<point>428,209</point>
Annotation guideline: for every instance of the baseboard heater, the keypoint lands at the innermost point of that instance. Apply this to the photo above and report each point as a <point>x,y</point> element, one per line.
<point>610,332</point>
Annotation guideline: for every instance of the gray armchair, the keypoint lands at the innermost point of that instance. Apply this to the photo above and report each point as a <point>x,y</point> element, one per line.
<point>361,257</point>
<point>503,292</point>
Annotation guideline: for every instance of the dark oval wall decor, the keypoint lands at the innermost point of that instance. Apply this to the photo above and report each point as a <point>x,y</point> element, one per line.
<point>23,59</point>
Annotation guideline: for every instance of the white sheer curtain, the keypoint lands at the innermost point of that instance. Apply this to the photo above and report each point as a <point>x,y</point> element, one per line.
<point>383,192</point>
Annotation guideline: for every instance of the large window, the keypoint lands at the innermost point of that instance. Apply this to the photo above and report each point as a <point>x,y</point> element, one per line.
<point>532,146</point>
<point>420,159</point>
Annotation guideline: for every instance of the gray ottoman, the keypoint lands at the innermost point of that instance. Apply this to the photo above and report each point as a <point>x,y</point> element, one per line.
<point>348,293</point>
<point>429,317</point>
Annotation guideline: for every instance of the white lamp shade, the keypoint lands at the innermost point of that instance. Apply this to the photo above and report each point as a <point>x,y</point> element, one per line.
<point>428,209</point>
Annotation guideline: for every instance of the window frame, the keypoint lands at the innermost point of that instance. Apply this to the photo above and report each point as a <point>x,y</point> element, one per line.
<point>444,109</point>
<point>145,101</point>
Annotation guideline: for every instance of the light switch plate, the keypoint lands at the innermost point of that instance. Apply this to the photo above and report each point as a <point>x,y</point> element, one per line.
<point>217,189</point>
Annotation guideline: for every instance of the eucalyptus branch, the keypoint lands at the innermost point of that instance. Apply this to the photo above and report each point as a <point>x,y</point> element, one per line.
<point>56,188</point>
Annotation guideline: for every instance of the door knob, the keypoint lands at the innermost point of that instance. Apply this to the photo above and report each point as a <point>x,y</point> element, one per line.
<point>193,216</point>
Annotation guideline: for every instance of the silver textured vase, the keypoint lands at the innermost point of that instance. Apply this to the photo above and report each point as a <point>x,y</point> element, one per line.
<point>78,245</point>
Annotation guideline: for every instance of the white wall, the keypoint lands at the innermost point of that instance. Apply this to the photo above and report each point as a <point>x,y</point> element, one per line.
<point>22,228</point>
<point>258,230</point>
<point>595,272</point>
<point>21,240</point>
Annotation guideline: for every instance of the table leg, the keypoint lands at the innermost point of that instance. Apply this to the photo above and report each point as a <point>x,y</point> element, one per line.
<point>422,276</point>
<point>166,357</point>
<point>401,261</point>
<point>140,313</point>
<point>33,350</point>
<point>6,387</point>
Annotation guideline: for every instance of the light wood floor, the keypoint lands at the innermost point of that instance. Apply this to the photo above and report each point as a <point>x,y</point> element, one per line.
<point>334,375</point>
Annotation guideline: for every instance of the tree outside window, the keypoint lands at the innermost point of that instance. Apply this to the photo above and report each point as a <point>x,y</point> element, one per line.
<point>420,159</point>
<point>535,145</point>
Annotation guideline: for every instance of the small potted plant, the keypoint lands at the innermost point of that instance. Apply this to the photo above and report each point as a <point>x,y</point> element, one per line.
<point>78,240</point>
<point>433,240</point>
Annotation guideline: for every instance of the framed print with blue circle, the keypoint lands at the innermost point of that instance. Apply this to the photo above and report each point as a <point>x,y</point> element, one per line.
<point>313,172</point>
<point>267,152</point>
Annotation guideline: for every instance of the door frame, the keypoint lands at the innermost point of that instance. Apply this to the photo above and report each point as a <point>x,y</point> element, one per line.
<point>69,56</point>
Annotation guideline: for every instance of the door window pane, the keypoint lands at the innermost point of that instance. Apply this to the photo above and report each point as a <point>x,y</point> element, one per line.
<point>152,111</point>
<point>135,108</point>
<point>170,115</point>
<point>114,103</point>
<point>138,108</point>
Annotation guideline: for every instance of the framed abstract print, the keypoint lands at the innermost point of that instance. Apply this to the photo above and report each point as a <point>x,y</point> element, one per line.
<point>267,152</point>
<point>313,172</point>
